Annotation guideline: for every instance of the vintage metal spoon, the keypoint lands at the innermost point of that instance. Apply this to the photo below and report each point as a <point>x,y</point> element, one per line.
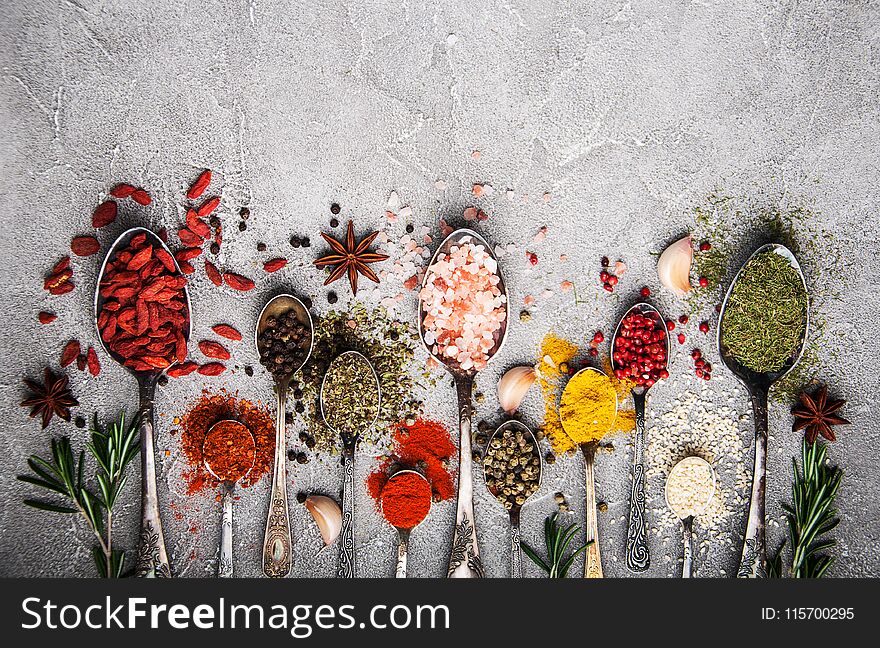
<point>687,521</point>
<point>402,533</point>
<point>464,560</point>
<point>638,559</point>
<point>514,512</point>
<point>347,566</point>
<point>753,562</point>
<point>227,484</point>
<point>152,555</point>
<point>593,560</point>
<point>277,540</point>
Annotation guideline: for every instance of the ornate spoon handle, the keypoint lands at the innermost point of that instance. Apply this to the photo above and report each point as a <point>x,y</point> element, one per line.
<point>347,568</point>
<point>464,560</point>
<point>637,557</point>
<point>687,530</point>
<point>753,563</point>
<point>152,558</point>
<point>276,542</point>
<point>593,560</point>
<point>402,548</point>
<point>516,565</point>
<point>224,565</point>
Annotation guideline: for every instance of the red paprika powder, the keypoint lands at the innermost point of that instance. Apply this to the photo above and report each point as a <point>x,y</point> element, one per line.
<point>424,446</point>
<point>405,500</point>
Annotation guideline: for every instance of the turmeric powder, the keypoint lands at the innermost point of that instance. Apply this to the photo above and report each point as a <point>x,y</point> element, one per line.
<point>588,407</point>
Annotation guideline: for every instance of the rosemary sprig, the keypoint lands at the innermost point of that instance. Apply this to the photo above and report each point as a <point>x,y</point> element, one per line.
<point>557,541</point>
<point>113,449</point>
<point>810,516</point>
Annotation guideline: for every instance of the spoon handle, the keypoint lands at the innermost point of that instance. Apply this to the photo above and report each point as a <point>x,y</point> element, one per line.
<point>152,558</point>
<point>464,560</point>
<point>224,564</point>
<point>687,528</point>
<point>637,557</point>
<point>753,563</point>
<point>593,560</point>
<point>516,565</point>
<point>347,568</point>
<point>276,542</point>
<point>402,548</point>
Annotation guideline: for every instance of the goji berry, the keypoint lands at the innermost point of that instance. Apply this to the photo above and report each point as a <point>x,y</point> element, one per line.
<point>122,190</point>
<point>141,197</point>
<point>69,353</point>
<point>214,350</point>
<point>274,265</point>
<point>213,273</point>
<point>238,282</point>
<point>208,206</point>
<point>212,369</point>
<point>85,245</point>
<point>224,330</point>
<point>198,187</point>
<point>48,318</point>
<point>92,362</point>
<point>104,214</point>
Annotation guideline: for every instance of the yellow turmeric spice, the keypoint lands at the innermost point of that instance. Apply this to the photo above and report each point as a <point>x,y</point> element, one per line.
<point>554,364</point>
<point>588,407</point>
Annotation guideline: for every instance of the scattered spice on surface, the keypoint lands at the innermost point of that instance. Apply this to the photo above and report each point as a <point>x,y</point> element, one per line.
<point>212,408</point>
<point>766,314</point>
<point>422,445</point>
<point>50,398</point>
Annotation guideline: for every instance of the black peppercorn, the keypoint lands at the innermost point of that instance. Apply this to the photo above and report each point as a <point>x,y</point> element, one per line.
<point>332,298</point>
<point>261,247</point>
<point>291,455</point>
<point>299,407</point>
<point>215,248</point>
<point>242,226</point>
<point>79,421</point>
<point>409,228</point>
<point>306,242</point>
<point>311,443</point>
<point>214,222</point>
<point>295,242</point>
<point>334,222</point>
<point>245,213</point>
<point>335,208</point>
<point>302,458</point>
<point>301,497</point>
<point>307,302</point>
<point>288,418</point>
<point>249,370</point>
<point>163,380</point>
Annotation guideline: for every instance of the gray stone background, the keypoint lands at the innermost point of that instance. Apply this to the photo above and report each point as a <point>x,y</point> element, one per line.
<point>628,114</point>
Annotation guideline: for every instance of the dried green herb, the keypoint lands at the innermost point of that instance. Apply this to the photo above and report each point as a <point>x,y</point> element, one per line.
<point>350,395</point>
<point>765,316</point>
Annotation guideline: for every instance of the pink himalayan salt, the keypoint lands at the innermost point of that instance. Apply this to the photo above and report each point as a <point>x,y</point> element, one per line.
<point>541,235</point>
<point>528,300</point>
<point>411,283</point>
<point>566,286</point>
<point>470,214</point>
<point>391,216</point>
<point>463,305</point>
<point>445,228</point>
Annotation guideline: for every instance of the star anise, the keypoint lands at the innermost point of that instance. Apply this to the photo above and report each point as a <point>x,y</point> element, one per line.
<point>350,257</point>
<point>816,415</point>
<point>51,398</point>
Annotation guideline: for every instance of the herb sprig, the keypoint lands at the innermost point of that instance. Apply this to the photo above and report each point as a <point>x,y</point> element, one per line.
<point>63,473</point>
<point>556,540</point>
<point>810,517</point>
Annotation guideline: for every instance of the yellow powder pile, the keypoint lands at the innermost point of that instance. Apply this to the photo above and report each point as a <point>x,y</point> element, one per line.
<point>588,407</point>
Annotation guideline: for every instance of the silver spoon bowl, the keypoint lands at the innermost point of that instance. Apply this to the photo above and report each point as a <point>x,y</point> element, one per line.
<point>347,565</point>
<point>225,563</point>
<point>152,555</point>
<point>277,539</point>
<point>593,560</point>
<point>687,522</point>
<point>753,560</point>
<point>403,533</point>
<point>638,558</point>
<point>464,561</point>
<point>514,512</point>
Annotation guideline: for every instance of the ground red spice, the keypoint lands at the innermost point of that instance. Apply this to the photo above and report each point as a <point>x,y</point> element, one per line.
<point>406,500</point>
<point>214,407</point>
<point>229,450</point>
<point>424,446</point>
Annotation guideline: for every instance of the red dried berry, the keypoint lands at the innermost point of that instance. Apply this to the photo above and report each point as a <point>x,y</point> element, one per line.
<point>187,254</point>
<point>63,264</point>
<point>141,197</point>
<point>704,327</point>
<point>63,289</point>
<point>683,319</point>
<point>532,257</point>
<point>188,237</point>
<point>670,325</point>
<point>604,276</point>
<point>85,245</point>
<point>208,206</point>
<point>92,362</point>
<point>198,187</point>
<point>104,214</point>
<point>274,265</point>
<point>645,291</point>
<point>46,318</point>
<point>55,280</point>
<point>681,338</point>
<point>213,273</point>
<point>212,369</point>
<point>705,246</point>
<point>186,267</point>
<point>593,352</point>
<point>163,234</point>
<point>197,225</point>
<point>238,282</point>
<point>696,354</point>
<point>224,330</point>
<point>704,283</point>
<point>182,369</point>
<point>122,190</point>
<point>214,350</point>
<point>81,361</point>
<point>69,353</point>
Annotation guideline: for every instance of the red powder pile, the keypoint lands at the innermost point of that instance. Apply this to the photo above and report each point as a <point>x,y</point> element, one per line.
<point>424,446</point>
<point>210,409</point>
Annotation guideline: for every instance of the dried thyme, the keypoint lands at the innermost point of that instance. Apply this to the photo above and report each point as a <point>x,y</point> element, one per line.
<point>765,316</point>
<point>350,395</point>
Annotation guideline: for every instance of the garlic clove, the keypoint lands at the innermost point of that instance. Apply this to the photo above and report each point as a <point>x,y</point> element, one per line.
<point>327,515</point>
<point>674,266</point>
<point>513,386</point>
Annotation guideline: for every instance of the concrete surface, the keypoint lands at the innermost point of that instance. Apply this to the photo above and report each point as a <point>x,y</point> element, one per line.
<point>627,114</point>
